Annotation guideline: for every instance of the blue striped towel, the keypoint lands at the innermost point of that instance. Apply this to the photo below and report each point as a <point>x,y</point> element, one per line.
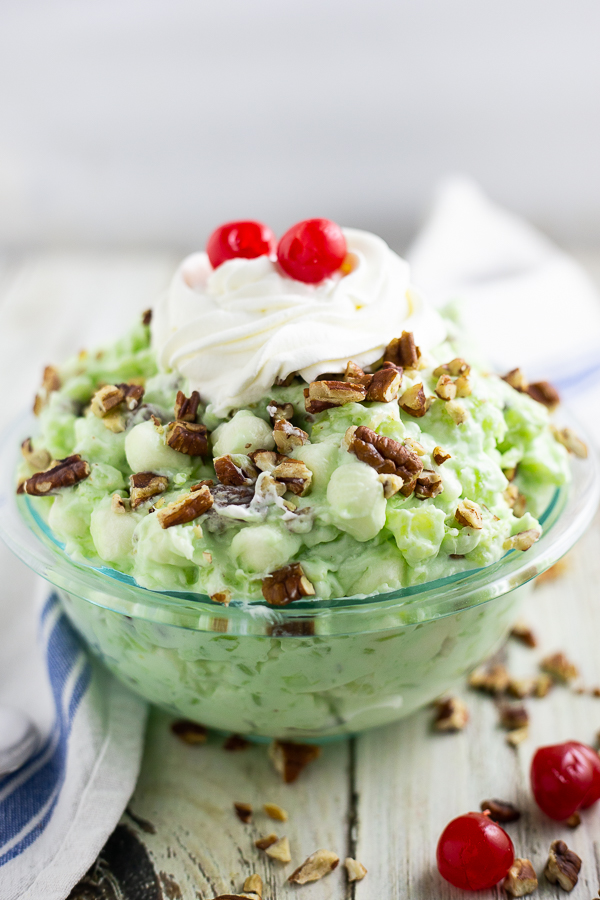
<point>59,808</point>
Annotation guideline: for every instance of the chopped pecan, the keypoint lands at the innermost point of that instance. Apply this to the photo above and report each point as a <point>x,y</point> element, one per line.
<point>37,459</point>
<point>205,481</point>
<point>403,351</point>
<point>445,388</point>
<point>391,484</point>
<point>457,412</point>
<point>275,812</point>
<point>354,869</point>
<point>144,485</point>
<point>522,687</point>
<point>50,383</point>
<point>517,736</point>
<point>384,385</point>
<point>469,514</point>
<point>543,685</point>
<point>415,446</point>
<point>186,408</point>
<point>266,460</point>
<point>132,395</point>
<point>455,368</point>
<point>185,510</point>
<point>244,812</point>
<point>544,393</point>
<point>524,540</point>
<point>117,504</point>
<point>65,473</point>
<point>560,667</point>
<point>290,759</point>
<point>414,402</point>
<point>516,379</point>
<point>114,420</point>
<point>520,506</point>
<point>315,406</point>
<point>106,398</point>
<point>280,410</point>
<point>280,851</point>
<point>521,631</point>
<point>287,436</point>
<point>451,714</point>
<point>429,485</point>
<point>286,585</point>
<point>294,475</point>
<point>268,489</point>
<point>440,456</point>
<point>189,732</point>
<point>337,393</point>
<point>513,716</point>
<point>521,879</point>
<point>228,472</point>
<point>235,743</point>
<point>491,679</point>
<point>267,841</point>
<point>146,317</point>
<point>254,884</point>
<point>500,811</point>
<point>355,375</point>
<point>222,597</point>
<point>568,438</point>
<point>318,864</point>
<point>563,866</point>
<point>463,386</point>
<point>188,438</point>
<point>386,456</point>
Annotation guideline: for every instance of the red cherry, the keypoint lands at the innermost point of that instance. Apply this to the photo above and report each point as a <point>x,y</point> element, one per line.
<point>245,239</point>
<point>312,250</point>
<point>565,778</point>
<point>473,853</point>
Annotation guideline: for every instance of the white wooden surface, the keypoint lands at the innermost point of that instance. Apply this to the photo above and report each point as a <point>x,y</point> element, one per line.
<point>383,797</point>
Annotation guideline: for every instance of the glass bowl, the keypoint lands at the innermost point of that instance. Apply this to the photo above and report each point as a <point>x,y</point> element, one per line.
<point>310,671</point>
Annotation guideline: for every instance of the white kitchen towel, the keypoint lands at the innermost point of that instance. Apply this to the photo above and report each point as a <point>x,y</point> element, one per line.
<point>59,808</point>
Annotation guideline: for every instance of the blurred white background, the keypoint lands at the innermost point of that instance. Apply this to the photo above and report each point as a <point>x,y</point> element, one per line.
<point>144,123</point>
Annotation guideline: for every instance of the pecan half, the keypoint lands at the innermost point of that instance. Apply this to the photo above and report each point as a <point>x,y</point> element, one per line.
<point>185,510</point>
<point>355,375</point>
<point>521,879</point>
<point>403,351</point>
<point>500,811</point>
<point>132,395</point>
<point>545,393</point>
<point>386,456</point>
<point>451,714</point>
<point>144,485</point>
<point>469,514</point>
<point>188,438</point>
<point>228,472</point>
<point>445,388</point>
<point>491,679</point>
<point>37,459</point>
<point>414,402</point>
<point>290,759</point>
<point>50,383</point>
<point>106,398</point>
<point>316,866</point>
<point>524,540</point>
<point>455,368</point>
<point>354,869</point>
<point>337,393</point>
<point>560,667</point>
<point>384,385</point>
<point>295,475</point>
<point>66,473</point>
<point>440,456</point>
<point>513,716</point>
<point>286,585</point>
<point>243,811</point>
<point>563,866</point>
<point>186,408</point>
<point>568,438</point>
<point>189,732</point>
<point>429,485</point>
<point>287,436</point>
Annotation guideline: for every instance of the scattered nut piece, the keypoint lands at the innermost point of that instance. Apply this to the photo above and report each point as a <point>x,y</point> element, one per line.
<point>243,811</point>
<point>290,759</point>
<point>294,475</point>
<point>513,716</point>
<point>440,456</point>
<point>254,884</point>
<point>266,460</point>
<point>560,667</point>
<point>516,737</point>
<point>522,687</point>
<point>457,412</point>
<point>568,438</point>
<point>117,504</point>
<point>50,383</point>
<point>522,541</point>
<point>355,869</point>
<point>287,436</point>
<point>543,685</point>
<point>463,386</point>
<point>186,408</point>
<point>521,879</point>
<point>144,486</point>
<point>280,851</point>
<point>545,393</point>
<point>491,679</point>
<point>574,820</point>
<point>187,437</point>
<point>132,395</point>
<point>65,473</point>
<point>189,732</point>
<point>563,866</point>
<point>414,402</point>
<point>391,485</point>
<point>236,742</point>
<point>267,841</point>
<point>516,379</point>
<point>415,446</point>
<point>355,375</point>
<point>521,631</point>
<point>37,459</point>
<point>385,455</point>
<point>451,714</point>
<point>445,388</point>
<point>228,472</point>
<point>222,597</point>
<point>187,509</point>
<point>286,585</point>
<point>429,484</point>
<point>106,398</point>
<point>336,393</point>
<point>275,812</point>
<point>500,811</point>
<point>403,351</point>
<point>468,514</point>
<point>455,367</point>
<point>316,866</point>
<point>384,385</point>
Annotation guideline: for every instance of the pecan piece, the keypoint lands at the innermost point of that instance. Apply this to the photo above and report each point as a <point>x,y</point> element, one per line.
<point>545,393</point>
<point>521,631</point>
<point>189,732</point>
<point>290,759</point>
<point>440,456</point>
<point>355,375</point>
<point>445,388</point>
<point>568,438</point>
<point>244,812</point>
<point>457,412</point>
<point>354,869</point>
<point>294,475</point>
<point>517,736</point>
<point>66,473</point>
<point>403,351</point>
<point>146,317</point>
<point>384,385</point>
<point>469,514</point>
<point>106,398</point>
<point>267,841</point>
<point>500,811</point>
<point>186,408</point>
<point>391,484</point>
<point>451,714</point>
<point>560,667</point>
<point>254,885</point>
<point>337,393</point>
<point>280,411</point>
<point>222,597</point>
<point>235,743</point>
<point>37,459</point>
<point>266,460</point>
<point>50,383</point>
<point>455,368</point>
<point>513,716</point>
<point>287,436</point>
<point>316,866</point>
<point>429,485</point>
<point>315,406</point>
<point>543,685</point>
<point>286,585</point>
<point>275,812</point>
<point>522,541</point>
<point>280,850</point>
<point>414,402</point>
<point>188,438</point>
<point>118,505</point>
<point>185,510</point>
<point>144,485</point>
<point>491,679</point>
<point>521,879</point>
<point>132,395</point>
<point>386,456</point>
<point>516,379</point>
<point>228,472</point>
<point>522,687</point>
<point>463,386</point>
<point>563,866</point>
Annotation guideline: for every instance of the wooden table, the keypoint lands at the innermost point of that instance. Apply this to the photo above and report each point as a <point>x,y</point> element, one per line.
<point>383,797</point>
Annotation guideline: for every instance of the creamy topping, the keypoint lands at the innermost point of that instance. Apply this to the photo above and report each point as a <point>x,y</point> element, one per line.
<point>233,331</point>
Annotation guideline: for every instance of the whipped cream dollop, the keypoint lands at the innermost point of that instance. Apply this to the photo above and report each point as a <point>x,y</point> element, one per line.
<point>233,331</point>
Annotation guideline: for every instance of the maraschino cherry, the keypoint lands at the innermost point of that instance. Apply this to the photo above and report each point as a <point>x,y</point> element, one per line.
<point>565,778</point>
<point>474,853</point>
<point>312,250</point>
<point>240,239</point>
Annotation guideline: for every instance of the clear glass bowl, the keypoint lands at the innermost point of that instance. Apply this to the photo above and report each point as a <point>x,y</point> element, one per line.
<point>310,671</point>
